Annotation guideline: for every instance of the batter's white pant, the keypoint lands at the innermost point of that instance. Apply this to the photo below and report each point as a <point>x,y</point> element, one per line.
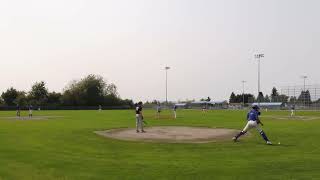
<point>251,125</point>
<point>139,122</point>
<point>175,114</point>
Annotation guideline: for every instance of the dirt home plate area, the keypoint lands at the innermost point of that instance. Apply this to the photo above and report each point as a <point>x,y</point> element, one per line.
<point>171,134</point>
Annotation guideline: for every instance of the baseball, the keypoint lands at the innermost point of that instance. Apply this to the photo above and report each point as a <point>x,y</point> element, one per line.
<point>279,143</point>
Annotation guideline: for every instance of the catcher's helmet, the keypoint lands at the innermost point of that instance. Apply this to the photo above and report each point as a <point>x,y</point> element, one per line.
<point>256,107</point>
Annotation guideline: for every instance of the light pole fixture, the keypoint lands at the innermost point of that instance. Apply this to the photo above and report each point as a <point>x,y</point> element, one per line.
<point>304,88</point>
<point>258,57</point>
<point>304,82</point>
<point>166,69</point>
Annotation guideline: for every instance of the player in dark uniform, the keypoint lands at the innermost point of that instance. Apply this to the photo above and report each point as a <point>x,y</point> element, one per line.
<point>293,110</point>
<point>139,118</point>
<point>30,111</point>
<point>253,122</point>
<point>175,107</point>
<point>18,110</point>
<point>158,110</point>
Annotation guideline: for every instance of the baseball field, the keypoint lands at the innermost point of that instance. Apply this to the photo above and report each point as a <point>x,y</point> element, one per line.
<point>63,145</point>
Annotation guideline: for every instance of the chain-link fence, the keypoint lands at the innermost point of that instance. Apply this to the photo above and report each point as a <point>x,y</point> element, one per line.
<point>303,97</point>
<point>11,108</point>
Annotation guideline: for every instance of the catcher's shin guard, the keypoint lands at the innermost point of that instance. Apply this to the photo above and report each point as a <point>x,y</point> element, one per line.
<point>264,136</point>
<point>240,134</point>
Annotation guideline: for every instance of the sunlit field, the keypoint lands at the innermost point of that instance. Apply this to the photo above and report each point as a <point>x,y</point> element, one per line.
<point>62,145</point>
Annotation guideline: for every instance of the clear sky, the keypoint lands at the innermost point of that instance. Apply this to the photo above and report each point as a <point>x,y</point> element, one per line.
<point>209,44</point>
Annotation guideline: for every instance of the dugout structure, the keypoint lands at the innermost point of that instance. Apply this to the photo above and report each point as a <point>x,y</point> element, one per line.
<point>302,97</point>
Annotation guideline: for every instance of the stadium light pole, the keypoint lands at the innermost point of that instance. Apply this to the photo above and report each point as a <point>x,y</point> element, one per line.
<point>243,82</point>
<point>167,68</point>
<point>304,89</point>
<point>304,82</point>
<point>258,57</point>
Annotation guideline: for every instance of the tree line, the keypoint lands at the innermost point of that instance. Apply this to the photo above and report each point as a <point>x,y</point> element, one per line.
<point>92,90</point>
<point>303,98</point>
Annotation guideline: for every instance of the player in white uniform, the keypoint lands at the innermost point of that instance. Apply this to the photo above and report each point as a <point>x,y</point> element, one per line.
<point>30,111</point>
<point>293,110</point>
<point>204,108</point>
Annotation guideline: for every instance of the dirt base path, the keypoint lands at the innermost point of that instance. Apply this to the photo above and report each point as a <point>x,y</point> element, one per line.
<point>34,118</point>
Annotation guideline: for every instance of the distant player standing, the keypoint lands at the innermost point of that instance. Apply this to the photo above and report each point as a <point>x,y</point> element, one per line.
<point>293,110</point>
<point>18,110</point>
<point>253,122</point>
<point>30,111</point>
<point>158,110</point>
<point>139,118</point>
<point>175,107</point>
<point>204,108</point>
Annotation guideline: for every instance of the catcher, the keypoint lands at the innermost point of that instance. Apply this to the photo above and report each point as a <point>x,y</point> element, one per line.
<point>253,122</point>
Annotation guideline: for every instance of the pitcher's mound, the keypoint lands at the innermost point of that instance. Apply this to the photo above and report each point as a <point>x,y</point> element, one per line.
<point>171,134</point>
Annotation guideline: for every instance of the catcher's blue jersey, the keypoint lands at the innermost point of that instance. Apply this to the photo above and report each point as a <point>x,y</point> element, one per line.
<point>253,115</point>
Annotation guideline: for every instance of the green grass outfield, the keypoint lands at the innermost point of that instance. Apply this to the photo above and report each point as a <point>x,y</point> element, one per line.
<point>65,147</point>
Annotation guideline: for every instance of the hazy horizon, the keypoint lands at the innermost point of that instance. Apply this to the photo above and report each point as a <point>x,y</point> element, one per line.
<point>209,45</point>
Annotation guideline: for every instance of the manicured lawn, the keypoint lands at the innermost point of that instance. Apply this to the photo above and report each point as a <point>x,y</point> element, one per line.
<point>65,147</point>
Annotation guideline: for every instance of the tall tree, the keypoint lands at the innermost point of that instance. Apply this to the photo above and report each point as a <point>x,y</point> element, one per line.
<point>111,89</point>
<point>274,94</point>
<point>91,91</point>
<point>251,98</point>
<point>238,98</point>
<point>39,94</point>
<point>72,95</point>
<point>305,97</point>
<point>293,99</point>
<point>260,97</point>
<point>267,99</point>
<point>9,96</point>
<point>283,98</point>
<point>21,99</point>
<point>1,101</point>
<point>54,98</point>
<point>232,98</point>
